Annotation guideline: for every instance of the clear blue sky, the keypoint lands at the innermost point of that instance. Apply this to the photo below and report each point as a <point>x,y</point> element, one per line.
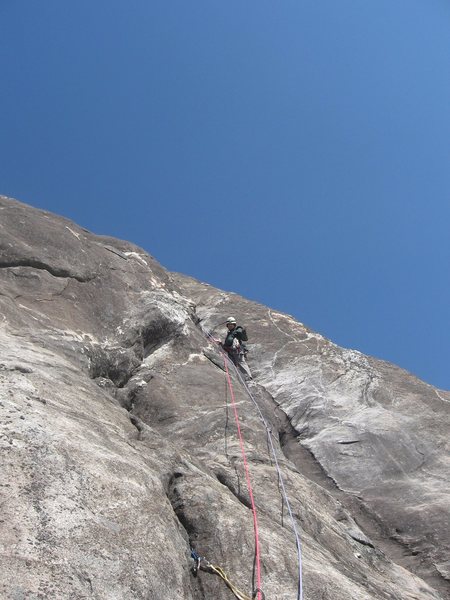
<point>295,152</point>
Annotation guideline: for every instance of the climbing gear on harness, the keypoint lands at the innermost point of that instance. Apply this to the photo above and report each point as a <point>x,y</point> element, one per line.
<point>197,560</point>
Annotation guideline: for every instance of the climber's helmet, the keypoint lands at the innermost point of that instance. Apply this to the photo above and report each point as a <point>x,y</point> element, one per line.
<point>231,322</point>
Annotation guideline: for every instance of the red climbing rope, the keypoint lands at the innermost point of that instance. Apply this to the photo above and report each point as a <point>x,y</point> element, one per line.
<point>270,435</point>
<point>249,484</point>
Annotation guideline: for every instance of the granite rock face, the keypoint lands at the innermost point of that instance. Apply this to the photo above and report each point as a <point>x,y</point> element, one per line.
<point>119,451</point>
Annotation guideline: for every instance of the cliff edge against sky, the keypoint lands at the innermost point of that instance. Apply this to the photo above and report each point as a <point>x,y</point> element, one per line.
<point>119,452</point>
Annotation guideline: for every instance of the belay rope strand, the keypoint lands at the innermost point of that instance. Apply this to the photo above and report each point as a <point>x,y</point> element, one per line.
<point>283,488</point>
<point>277,466</point>
<point>247,477</point>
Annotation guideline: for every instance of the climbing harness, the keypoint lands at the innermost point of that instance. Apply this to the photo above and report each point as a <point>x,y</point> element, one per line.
<point>277,466</point>
<point>202,563</point>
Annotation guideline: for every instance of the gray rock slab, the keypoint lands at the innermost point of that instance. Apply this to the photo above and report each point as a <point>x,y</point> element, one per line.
<point>119,448</point>
<point>379,433</point>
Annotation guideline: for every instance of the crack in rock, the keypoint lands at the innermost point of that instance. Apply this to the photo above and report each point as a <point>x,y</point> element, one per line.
<point>39,265</point>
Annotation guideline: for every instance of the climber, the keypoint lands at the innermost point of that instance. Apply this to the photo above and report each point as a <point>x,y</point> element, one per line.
<point>234,344</point>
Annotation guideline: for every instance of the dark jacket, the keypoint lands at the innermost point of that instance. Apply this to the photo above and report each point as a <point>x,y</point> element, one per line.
<point>237,332</point>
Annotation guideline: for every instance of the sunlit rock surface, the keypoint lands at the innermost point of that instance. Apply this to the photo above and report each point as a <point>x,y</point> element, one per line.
<point>119,450</point>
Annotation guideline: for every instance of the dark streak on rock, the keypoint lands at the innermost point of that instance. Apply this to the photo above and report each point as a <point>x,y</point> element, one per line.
<point>346,443</point>
<point>36,264</point>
